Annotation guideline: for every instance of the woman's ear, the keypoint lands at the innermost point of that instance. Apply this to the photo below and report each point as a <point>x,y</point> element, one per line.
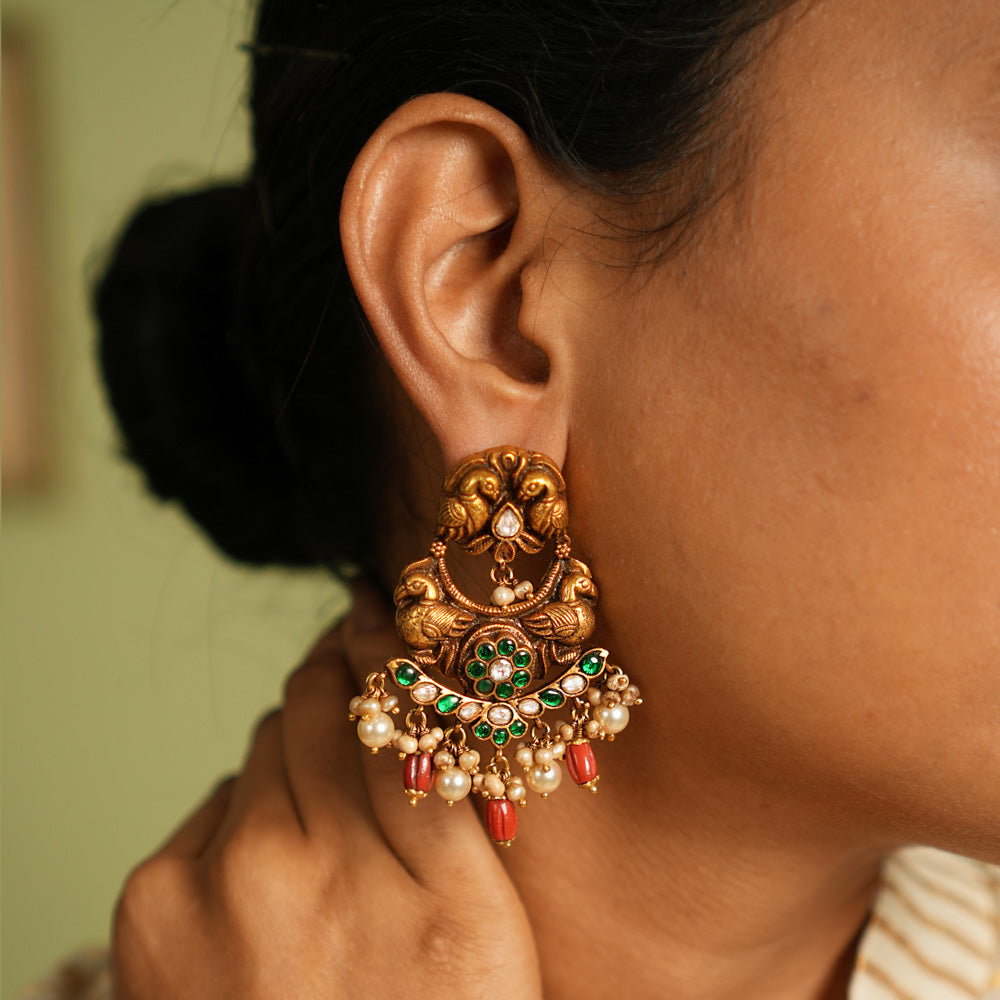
<point>443,219</point>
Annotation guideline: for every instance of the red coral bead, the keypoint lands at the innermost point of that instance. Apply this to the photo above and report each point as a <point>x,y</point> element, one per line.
<point>501,820</point>
<point>581,763</point>
<point>418,773</point>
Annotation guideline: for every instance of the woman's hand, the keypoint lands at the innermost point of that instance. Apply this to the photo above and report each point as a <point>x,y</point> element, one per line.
<point>309,875</point>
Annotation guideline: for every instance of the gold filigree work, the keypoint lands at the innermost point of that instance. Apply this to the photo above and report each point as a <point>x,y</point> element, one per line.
<point>498,500</point>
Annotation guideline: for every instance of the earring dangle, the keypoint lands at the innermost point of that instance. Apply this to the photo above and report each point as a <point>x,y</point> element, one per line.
<point>491,673</point>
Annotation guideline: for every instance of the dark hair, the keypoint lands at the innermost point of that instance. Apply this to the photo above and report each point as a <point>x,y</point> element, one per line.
<point>235,361</point>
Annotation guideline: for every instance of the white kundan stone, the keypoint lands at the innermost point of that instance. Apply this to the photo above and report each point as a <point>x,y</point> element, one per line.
<point>424,693</point>
<point>468,711</point>
<point>500,715</point>
<point>501,669</point>
<point>508,524</point>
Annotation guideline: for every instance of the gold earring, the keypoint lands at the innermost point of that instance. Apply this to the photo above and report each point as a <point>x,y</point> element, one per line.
<point>491,672</point>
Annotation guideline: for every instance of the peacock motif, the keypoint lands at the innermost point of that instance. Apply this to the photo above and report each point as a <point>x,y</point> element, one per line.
<point>428,624</point>
<point>568,621</point>
<point>544,498</point>
<point>505,497</point>
<point>491,670</point>
<point>468,497</point>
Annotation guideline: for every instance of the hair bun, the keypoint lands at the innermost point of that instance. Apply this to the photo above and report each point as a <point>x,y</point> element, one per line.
<point>170,315</point>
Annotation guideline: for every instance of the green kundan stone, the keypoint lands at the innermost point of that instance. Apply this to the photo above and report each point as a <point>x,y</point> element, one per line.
<point>448,703</point>
<point>591,664</point>
<point>483,730</point>
<point>517,728</point>
<point>505,690</point>
<point>485,652</point>
<point>485,686</point>
<point>521,658</point>
<point>500,737</point>
<point>521,679</point>
<point>551,697</point>
<point>506,646</point>
<point>406,675</point>
<point>476,668</point>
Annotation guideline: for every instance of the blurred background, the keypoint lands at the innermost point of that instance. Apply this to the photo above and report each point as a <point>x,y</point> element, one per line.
<point>134,659</point>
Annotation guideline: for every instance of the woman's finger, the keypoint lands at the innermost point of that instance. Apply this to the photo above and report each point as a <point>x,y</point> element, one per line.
<point>191,838</point>
<point>261,793</point>
<point>321,745</point>
<point>431,832</point>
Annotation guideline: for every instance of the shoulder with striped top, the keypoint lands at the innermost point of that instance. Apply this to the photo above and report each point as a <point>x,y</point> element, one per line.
<point>934,932</point>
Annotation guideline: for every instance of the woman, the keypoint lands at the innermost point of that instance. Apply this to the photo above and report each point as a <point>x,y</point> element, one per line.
<point>734,267</point>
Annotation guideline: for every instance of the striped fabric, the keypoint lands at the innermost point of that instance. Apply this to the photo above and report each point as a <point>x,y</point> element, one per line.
<point>934,934</point>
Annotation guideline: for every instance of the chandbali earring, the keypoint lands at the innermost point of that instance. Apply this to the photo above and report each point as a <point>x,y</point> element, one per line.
<point>491,673</point>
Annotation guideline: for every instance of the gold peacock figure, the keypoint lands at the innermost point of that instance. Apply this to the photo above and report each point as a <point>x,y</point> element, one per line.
<point>428,625</point>
<point>568,621</point>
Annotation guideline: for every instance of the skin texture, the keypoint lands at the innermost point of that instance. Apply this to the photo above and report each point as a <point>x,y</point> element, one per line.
<point>292,879</point>
<point>782,448</point>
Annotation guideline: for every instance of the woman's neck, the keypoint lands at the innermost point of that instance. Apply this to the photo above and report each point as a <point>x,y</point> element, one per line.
<point>673,882</point>
<point>655,889</point>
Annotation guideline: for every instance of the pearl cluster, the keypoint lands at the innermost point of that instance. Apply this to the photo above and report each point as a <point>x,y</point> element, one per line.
<point>439,759</point>
<point>376,728</point>
<point>540,761</point>
<point>426,741</point>
<point>503,596</point>
<point>455,769</point>
<point>609,708</point>
<point>492,785</point>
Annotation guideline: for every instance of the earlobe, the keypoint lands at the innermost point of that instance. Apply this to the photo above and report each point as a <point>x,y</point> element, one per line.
<point>441,217</point>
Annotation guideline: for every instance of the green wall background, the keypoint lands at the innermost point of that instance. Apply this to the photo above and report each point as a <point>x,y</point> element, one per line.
<point>134,659</point>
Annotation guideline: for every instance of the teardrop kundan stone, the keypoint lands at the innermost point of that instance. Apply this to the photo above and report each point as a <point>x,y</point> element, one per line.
<point>501,821</point>
<point>581,763</point>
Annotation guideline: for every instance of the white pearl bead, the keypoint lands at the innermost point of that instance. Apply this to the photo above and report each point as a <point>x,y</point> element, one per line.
<point>369,706</point>
<point>594,696</point>
<point>524,589</point>
<point>376,731</point>
<point>593,728</point>
<point>517,793</point>
<point>469,760</point>
<point>389,702</point>
<point>453,784</point>
<point>525,757</point>
<point>544,755</point>
<point>544,778</point>
<point>443,760</point>
<point>558,749</point>
<point>428,743</point>
<point>503,596</point>
<point>438,733</point>
<point>407,744</point>
<point>493,786</point>
<point>477,781</point>
<point>612,718</point>
<point>355,707</point>
<point>566,732</point>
